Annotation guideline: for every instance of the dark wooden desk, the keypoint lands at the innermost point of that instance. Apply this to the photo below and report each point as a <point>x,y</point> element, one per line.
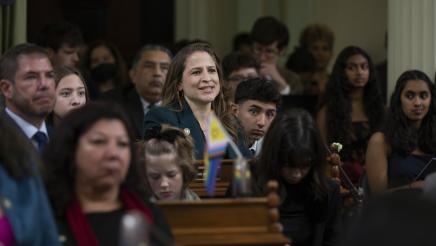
<point>241,221</point>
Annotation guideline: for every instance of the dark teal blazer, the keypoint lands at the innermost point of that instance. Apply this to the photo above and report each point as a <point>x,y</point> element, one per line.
<point>186,121</point>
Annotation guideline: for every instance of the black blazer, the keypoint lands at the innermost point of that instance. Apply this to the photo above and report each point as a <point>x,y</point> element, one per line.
<point>130,100</point>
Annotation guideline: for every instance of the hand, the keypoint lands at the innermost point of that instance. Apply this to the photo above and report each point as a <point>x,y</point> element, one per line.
<point>270,71</point>
<point>417,184</point>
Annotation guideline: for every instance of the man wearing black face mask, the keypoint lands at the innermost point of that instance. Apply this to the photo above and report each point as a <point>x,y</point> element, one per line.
<point>148,73</point>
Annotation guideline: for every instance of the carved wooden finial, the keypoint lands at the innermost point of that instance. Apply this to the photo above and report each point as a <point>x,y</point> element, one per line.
<point>273,186</point>
<point>273,198</point>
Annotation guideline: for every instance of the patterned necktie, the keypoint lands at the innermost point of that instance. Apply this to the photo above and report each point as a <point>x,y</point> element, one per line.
<point>41,140</point>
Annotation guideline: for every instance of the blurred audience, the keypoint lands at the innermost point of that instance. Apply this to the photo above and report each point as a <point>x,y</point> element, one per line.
<point>63,41</point>
<point>318,39</point>
<point>104,68</point>
<point>237,67</point>
<point>270,38</point>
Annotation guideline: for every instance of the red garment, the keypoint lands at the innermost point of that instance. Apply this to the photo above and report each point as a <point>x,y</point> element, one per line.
<point>80,227</point>
<point>7,237</point>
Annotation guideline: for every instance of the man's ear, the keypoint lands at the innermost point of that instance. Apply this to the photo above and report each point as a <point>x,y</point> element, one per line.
<point>234,108</point>
<point>6,88</point>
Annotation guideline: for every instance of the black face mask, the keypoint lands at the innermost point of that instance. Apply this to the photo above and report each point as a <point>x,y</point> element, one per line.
<point>103,72</point>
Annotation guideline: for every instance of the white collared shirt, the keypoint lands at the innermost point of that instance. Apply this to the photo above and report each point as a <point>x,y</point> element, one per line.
<point>26,127</point>
<point>256,147</point>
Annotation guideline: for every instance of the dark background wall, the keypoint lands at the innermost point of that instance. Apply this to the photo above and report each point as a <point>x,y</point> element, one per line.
<point>129,24</point>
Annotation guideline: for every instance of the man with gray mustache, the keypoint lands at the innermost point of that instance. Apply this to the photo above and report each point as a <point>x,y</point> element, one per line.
<point>149,70</point>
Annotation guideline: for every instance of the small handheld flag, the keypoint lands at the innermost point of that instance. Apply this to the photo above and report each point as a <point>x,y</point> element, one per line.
<point>216,142</point>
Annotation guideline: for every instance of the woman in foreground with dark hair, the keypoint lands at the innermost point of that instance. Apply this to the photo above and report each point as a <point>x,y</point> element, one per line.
<point>294,154</point>
<point>353,108</point>
<point>92,176</point>
<point>397,155</point>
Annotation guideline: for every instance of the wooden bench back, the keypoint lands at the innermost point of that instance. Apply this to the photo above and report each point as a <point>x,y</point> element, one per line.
<point>241,221</point>
<point>224,178</point>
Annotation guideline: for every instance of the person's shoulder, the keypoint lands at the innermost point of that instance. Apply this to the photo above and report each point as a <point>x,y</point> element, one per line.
<point>161,115</point>
<point>160,112</point>
<point>378,138</point>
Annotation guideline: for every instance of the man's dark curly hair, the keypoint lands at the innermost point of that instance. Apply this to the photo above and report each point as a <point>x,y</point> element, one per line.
<point>258,89</point>
<point>60,153</point>
<point>338,99</point>
<point>400,131</point>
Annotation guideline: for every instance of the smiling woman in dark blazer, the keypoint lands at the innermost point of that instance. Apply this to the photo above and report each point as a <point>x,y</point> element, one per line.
<point>192,90</point>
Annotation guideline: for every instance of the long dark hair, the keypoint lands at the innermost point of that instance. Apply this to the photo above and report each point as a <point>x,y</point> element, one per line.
<point>338,99</point>
<point>400,132</point>
<point>293,135</point>
<point>60,153</point>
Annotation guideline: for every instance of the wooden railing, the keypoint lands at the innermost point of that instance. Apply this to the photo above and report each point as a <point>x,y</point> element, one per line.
<point>241,221</point>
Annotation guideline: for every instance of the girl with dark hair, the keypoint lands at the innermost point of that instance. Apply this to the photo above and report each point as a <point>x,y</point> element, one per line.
<point>293,153</point>
<point>397,155</point>
<point>92,176</point>
<point>352,108</point>
<point>193,88</point>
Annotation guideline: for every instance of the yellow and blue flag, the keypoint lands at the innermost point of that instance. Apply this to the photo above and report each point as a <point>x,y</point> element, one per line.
<point>217,139</point>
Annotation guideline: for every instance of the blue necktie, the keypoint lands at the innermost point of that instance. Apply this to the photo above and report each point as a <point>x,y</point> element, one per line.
<point>41,140</point>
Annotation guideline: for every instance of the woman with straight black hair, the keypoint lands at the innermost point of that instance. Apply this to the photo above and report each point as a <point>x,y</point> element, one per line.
<point>293,154</point>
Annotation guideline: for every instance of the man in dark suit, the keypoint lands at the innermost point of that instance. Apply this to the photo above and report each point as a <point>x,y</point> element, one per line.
<point>27,83</point>
<point>148,73</point>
